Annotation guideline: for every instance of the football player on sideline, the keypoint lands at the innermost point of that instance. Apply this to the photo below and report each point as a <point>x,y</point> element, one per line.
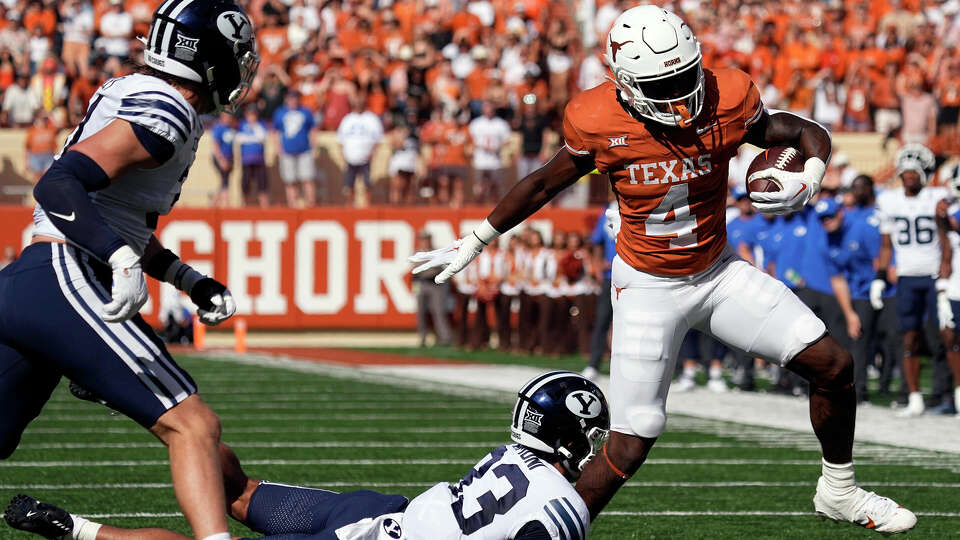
<point>559,421</point>
<point>916,238</point>
<point>69,305</point>
<point>664,129</point>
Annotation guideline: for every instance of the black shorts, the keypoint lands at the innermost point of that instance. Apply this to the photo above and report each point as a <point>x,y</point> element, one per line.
<point>254,174</point>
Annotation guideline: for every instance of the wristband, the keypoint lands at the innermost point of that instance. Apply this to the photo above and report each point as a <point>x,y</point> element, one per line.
<point>814,168</point>
<point>182,276</point>
<point>881,275</point>
<point>486,233</point>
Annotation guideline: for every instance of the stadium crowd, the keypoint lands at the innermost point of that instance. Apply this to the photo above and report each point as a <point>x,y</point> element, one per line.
<point>446,82</point>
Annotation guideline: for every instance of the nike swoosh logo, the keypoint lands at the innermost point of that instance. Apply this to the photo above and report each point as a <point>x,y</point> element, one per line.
<point>30,514</point>
<point>703,130</point>
<point>799,191</point>
<point>71,217</point>
<point>870,524</point>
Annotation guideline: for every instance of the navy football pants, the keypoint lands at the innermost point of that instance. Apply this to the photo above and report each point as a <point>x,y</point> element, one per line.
<point>284,512</point>
<point>51,299</point>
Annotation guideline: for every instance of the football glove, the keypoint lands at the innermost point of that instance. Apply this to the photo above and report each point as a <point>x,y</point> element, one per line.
<point>944,310</point>
<point>129,291</point>
<point>877,287</point>
<point>612,224</point>
<point>456,256</point>
<point>214,302</point>
<point>797,188</point>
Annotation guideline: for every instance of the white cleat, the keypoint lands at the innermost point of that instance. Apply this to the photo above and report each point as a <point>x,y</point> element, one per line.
<point>914,406</point>
<point>590,373</point>
<point>864,508</point>
<point>684,384</point>
<point>718,386</point>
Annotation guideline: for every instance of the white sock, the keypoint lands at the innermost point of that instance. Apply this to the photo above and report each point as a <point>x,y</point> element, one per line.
<point>689,373</point>
<point>84,529</point>
<point>839,478</point>
<point>219,536</point>
<point>716,372</point>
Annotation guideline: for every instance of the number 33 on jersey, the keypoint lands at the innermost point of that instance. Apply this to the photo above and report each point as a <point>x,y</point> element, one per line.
<point>671,183</point>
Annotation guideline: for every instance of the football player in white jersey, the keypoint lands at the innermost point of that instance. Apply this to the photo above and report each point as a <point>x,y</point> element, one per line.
<point>951,213</point>
<point>518,491</point>
<point>69,305</point>
<point>914,235</point>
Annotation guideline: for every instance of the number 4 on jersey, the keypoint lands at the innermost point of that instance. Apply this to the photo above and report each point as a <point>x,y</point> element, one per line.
<point>683,223</point>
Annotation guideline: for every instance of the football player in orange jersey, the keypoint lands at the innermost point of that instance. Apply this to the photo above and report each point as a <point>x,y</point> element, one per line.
<point>664,129</point>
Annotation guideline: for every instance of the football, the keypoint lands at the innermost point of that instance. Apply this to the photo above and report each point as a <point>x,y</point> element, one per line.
<point>784,158</point>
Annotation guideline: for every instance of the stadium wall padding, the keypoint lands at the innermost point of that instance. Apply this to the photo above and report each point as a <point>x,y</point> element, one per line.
<point>318,268</point>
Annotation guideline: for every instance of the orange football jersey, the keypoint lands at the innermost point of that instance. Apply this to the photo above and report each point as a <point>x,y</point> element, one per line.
<point>671,183</point>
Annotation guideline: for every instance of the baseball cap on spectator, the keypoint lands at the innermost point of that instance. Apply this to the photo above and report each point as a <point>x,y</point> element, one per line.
<point>826,208</point>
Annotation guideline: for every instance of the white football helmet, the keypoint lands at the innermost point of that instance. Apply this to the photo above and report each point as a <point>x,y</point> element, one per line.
<point>656,64</point>
<point>918,158</point>
<point>953,180</point>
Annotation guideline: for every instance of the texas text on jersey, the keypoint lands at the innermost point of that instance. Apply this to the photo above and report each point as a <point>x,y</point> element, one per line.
<point>133,202</point>
<point>670,183</point>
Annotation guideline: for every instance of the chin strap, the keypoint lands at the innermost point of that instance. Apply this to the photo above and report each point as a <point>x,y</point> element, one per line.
<point>613,467</point>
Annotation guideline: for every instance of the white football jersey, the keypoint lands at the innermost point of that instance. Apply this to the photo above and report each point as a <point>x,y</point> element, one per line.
<point>133,202</point>
<point>912,226</point>
<point>507,489</point>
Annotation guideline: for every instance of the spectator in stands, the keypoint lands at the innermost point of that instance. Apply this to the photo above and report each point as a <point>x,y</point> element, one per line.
<point>403,166</point>
<point>448,145</point>
<point>20,104</point>
<point>508,301</point>
<point>485,298</point>
<point>533,128</point>
<point>576,271</point>
<point>432,299</point>
<point>41,145</point>
<point>489,134</point>
<point>251,136</point>
<point>224,132</point>
<point>359,134</point>
<point>83,88</point>
<point>40,46</point>
<point>51,86</point>
<point>116,30</point>
<point>294,128</point>
<point>919,112</point>
<point>77,20</point>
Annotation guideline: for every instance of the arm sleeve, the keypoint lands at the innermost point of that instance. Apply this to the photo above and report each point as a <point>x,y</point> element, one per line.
<point>533,531</point>
<point>160,149</point>
<point>63,193</point>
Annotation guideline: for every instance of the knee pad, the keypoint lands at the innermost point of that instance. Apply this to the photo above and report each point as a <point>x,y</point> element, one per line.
<point>647,422</point>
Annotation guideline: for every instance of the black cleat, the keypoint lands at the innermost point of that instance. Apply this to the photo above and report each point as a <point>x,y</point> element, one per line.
<point>28,514</point>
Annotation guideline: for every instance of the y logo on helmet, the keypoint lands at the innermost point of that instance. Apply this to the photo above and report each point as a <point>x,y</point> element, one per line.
<point>235,25</point>
<point>584,404</point>
<point>392,528</point>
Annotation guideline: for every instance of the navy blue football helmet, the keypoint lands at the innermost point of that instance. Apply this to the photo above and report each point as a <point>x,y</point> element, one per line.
<point>562,416</point>
<point>208,42</point>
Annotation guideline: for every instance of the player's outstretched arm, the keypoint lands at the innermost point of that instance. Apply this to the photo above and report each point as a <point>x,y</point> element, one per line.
<point>775,128</point>
<point>526,197</point>
<point>63,193</point>
<point>214,302</point>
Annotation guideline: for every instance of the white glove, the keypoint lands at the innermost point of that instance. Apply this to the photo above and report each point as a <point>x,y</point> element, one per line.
<point>944,310</point>
<point>612,225</point>
<point>129,291</point>
<point>797,188</point>
<point>877,287</point>
<point>456,256</point>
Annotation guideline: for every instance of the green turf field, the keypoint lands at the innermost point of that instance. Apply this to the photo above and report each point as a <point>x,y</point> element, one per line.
<point>704,479</point>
